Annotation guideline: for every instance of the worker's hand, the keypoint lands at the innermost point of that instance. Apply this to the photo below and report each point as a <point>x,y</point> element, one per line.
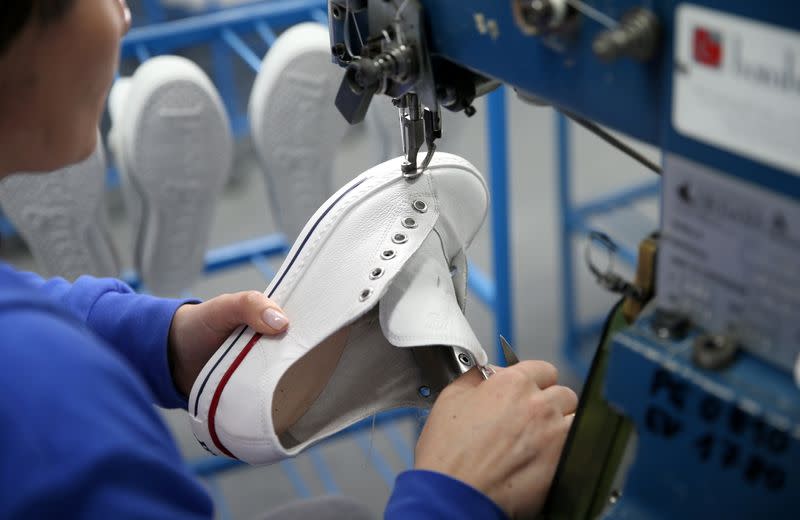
<point>502,436</point>
<point>197,331</point>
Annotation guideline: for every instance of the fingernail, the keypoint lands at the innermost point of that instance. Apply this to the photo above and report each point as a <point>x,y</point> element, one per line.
<point>275,319</point>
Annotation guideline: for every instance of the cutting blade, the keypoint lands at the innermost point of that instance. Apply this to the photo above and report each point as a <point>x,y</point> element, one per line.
<point>508,352</point>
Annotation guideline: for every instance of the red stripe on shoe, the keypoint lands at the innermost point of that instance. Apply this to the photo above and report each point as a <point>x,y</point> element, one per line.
<point>212,411</point>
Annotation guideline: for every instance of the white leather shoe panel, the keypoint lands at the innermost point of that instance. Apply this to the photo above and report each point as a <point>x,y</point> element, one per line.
<point>325,285</point>
<point>420,308</point>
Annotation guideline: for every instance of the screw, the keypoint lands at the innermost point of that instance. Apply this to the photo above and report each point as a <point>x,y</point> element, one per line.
<point>636,36</point>
<point>670,324</point>
<point>714,351</point>
<point>537,13</point>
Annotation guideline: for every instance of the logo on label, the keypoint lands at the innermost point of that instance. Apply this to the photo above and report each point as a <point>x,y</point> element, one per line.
<point>707,47</point>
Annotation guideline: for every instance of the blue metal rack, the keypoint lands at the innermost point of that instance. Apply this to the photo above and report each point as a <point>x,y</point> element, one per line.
<point>574,220</point>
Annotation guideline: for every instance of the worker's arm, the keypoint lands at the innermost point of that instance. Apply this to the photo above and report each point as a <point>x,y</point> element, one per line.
<point>427,495</point>
<point>166,342</point>
<point>80,437</point>
<point>135,326</point>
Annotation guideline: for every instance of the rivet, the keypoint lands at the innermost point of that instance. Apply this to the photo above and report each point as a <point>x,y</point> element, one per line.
<point>425,391</point>
<point>366,293</point>
<point>409,222</point>
<point>399,238</point>
<point>464,359</point>
<point>388,254</point>
<point>376,273</point>
<point>420,206</point>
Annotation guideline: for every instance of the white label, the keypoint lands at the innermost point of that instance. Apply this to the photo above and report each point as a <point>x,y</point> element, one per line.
<point>737,85</point>
<point>728,258</point>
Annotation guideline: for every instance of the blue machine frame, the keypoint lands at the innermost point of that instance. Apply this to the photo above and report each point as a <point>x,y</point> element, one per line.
<point>709,443</point>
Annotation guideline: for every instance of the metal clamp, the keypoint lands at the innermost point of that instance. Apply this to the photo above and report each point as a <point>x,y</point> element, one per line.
<point>607,278</point>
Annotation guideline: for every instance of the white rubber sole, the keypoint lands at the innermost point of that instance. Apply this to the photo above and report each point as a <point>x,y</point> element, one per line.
<point>295,125</point>
<point>175,152</point>
<point>62,217</point>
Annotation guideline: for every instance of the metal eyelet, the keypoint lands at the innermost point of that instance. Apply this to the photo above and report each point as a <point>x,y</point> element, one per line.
<point>409,223</point>
<point>376,273</point>
<point>399,238</point>
<point>388,254</point>
<point>420,205</point>
<point>425,391</point>
<point>464,359</point>
<point>365,294</point>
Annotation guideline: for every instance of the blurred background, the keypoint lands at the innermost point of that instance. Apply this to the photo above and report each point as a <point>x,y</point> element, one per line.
<point>363,464</point>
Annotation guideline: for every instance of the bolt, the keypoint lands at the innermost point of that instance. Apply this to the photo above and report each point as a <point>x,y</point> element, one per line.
<point>714,351</point>
<point>636,36</point>
<point>537,13</point>
<point>670,325</point>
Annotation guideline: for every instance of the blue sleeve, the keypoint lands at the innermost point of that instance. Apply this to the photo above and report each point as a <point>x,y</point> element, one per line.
<point>427,495</point>
<point>80,437</point>
<point>135,326</point>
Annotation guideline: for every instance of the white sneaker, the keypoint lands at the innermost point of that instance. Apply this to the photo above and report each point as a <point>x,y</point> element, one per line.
<point>296,128</point>
<point>174,150</point>
<point>375,288</point>
<point>62,217</point>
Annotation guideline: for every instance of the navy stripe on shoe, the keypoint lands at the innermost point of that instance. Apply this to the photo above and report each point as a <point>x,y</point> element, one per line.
<point>283,275</point>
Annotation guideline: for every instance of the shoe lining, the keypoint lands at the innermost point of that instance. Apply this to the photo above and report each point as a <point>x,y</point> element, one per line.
<point>311,401</point>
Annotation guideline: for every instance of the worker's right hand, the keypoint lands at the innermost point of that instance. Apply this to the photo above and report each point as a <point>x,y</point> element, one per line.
<point>502,436</point>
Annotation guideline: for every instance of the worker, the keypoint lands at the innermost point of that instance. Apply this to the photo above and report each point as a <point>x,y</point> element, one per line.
<point>83,362</point>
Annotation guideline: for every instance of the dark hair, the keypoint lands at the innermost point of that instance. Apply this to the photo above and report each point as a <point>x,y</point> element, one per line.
<point>15,14</point>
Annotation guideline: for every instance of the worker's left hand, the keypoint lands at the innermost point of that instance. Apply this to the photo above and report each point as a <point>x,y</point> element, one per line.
<point>197,331</point>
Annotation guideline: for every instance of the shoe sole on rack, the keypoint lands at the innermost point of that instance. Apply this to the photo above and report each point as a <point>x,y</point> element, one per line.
<point>375,287</point>
<point>62,217</point>
<point>296,128</point>
<point>174,149</point>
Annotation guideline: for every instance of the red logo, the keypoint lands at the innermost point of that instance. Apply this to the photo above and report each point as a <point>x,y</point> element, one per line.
<point>707,47</point>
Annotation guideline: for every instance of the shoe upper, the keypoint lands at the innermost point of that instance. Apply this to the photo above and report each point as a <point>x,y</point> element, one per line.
<point>378,268</point>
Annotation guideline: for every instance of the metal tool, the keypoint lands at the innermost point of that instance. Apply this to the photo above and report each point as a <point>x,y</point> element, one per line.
<point>508,352</point>
<point>509,355</point>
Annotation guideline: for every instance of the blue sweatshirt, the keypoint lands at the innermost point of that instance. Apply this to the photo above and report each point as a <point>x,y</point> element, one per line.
<point>82,365</point>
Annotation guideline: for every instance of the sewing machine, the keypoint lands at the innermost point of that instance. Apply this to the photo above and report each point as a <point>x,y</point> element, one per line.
<point>692,407</point>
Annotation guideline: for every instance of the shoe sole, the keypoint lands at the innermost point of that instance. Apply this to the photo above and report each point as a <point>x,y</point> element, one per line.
<point>178,151</point>
<point>295,126</point>
<point>62,217</point>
